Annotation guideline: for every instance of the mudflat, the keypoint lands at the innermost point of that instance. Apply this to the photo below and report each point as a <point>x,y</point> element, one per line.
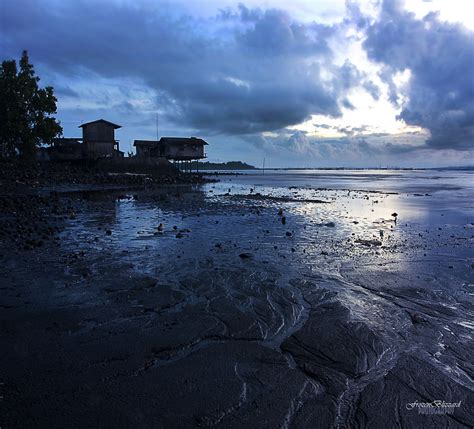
<point>290,299</point>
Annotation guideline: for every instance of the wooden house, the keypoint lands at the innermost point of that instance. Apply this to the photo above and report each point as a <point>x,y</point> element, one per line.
<point>98,138</point>
<point>172,148</point>
<point>147,148</point>
<point>183,149</point>
<point>66,149</point>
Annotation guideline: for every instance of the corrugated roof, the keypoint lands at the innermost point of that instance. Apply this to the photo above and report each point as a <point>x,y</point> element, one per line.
<point>145,142</point>
<point>101,120</point>
<point>184,140</point>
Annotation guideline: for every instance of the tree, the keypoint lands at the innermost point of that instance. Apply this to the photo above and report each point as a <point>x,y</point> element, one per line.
<point>25,110</point>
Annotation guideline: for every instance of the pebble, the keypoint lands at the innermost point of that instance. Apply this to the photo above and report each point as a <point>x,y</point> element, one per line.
<point>245,255</point>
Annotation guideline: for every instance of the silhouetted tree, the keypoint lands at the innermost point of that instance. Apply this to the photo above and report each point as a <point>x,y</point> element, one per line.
<point>25,110</point>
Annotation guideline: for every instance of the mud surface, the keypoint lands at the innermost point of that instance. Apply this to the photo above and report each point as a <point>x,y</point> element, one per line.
<point>354,301</point>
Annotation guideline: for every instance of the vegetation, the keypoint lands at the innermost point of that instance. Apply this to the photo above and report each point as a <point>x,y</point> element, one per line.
<point>231,165</point>
<point>25,110</point>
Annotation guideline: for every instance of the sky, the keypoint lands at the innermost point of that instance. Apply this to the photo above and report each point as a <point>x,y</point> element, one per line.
<point>306,83</point>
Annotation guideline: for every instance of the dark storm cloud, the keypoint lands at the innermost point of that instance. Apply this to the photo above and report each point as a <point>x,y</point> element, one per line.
<point>440,58</point>
<point>263,74</point>
<point>275,33</point>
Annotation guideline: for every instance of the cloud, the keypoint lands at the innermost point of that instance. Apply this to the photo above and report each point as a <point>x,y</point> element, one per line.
<point>439,56</point>
<point>244,71</point>
<point>247,71</point>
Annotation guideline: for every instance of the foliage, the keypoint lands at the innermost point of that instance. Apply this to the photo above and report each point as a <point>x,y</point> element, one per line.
<point>25,110</point>
<point>231,165</point>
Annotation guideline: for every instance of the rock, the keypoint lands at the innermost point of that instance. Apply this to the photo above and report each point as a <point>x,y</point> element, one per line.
<point>288,234</point>
<point>179,235</point>
<point>283,220</point>
<point>416,318</point>
<point>280,212</point>
<point>108,232</point>
<point>245,255</point>
<point>330,224</point>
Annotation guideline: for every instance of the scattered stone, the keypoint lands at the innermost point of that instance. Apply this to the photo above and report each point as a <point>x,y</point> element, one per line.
<point>416,318</point>
<point>245,255</point>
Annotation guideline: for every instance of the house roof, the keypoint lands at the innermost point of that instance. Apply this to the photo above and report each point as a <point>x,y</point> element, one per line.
<point>101,120</point>
<point>183,140</point>
<point>146,142</point>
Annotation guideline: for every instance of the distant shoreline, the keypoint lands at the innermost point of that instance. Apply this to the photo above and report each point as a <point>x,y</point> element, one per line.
<point>469,168</point>
<point>230,165</point>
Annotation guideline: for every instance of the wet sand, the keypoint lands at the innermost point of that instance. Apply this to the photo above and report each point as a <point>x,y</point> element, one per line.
<point>340,315</point>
